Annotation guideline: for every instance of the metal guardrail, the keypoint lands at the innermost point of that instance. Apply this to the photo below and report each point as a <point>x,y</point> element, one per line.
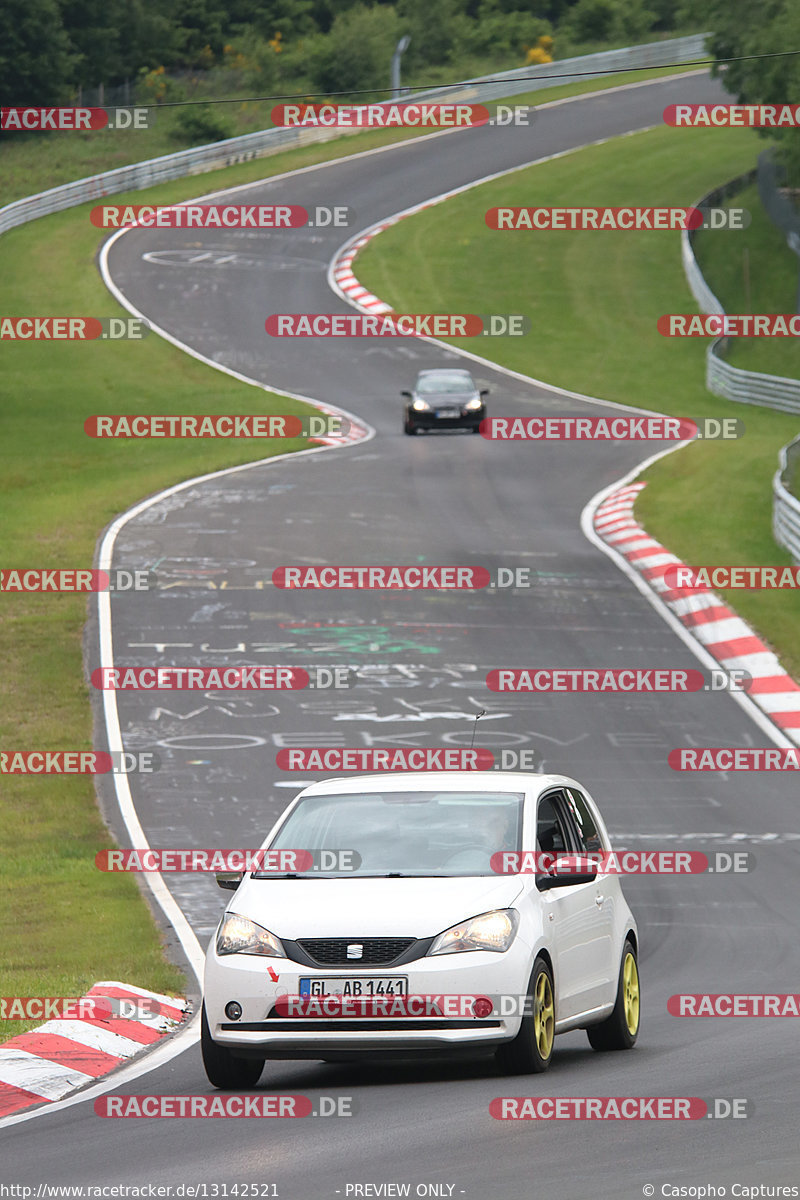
<point>749,387</point>
<point>547,75</point>
<point>201,159</point>
<point>785,506</point>
<point>722,379</point>
<point>699,288</point>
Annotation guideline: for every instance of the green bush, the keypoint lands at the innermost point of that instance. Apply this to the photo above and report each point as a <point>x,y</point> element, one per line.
<point>357,53</point>
<point>201,123</point>
<point>498,34</point>
<point>606,21</point>
<point>254,61</point>
<point>433,29</point>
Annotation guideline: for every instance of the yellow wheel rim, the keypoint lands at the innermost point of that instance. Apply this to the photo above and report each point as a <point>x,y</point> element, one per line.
<point>544,1016</point>
<point>630,991</point>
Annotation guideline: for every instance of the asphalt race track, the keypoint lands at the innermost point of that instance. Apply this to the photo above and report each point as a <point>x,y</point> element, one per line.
<point>421,659</point>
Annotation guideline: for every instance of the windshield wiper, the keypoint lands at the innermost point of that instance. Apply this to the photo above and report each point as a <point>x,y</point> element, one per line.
<point>409,875</point>
<point>350,875</point>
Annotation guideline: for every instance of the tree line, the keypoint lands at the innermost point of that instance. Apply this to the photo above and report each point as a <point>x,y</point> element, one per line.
<point>51,50</point>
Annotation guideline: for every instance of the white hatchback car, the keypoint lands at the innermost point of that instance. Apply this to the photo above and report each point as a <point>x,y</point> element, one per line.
<point>423,947</point>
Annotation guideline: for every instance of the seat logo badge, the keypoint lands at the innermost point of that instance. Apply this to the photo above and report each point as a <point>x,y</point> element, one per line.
<point>355,950</point>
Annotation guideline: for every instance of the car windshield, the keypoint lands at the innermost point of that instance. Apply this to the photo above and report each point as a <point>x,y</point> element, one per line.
<point>415,833</point>
<point>445,384</point>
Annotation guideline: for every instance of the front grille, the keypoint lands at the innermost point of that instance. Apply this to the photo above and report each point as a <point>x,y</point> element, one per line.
<point>330,952</point>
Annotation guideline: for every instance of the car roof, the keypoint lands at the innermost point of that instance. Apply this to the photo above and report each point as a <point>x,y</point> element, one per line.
<point>441,781</point>
<point>446,371</point>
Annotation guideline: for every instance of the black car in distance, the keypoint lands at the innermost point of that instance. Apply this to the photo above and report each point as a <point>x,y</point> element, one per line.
<point>444,398</point>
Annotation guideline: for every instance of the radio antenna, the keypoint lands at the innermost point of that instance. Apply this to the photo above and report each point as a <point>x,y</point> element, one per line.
<point>478,716</point>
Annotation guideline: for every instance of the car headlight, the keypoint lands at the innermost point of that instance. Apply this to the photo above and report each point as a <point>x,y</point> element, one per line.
<point>475,403</point>
<point>490,931</point>
<point>240,935</point>
<point>420,405</point>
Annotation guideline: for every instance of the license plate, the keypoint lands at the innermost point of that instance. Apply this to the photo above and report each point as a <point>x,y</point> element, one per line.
<point>448,412</point>
<point>344,985</point>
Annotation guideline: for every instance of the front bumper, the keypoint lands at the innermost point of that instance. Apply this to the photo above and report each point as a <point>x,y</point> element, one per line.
<point>260,1033</point>
<point>463,420</point>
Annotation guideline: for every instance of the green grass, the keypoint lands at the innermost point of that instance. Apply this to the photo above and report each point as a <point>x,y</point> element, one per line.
<point>593,300</point>
<point>35,163</point>
<point>753,270</point>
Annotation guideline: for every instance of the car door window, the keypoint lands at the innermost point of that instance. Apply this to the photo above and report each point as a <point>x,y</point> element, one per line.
<point>551,835</point>
<point>582,821</point>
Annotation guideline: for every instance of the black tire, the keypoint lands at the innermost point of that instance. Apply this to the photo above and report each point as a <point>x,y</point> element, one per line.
<point>620,1030</point>
<point>408,427</point>
<point>223,1069</point>
<point>531,1050</point>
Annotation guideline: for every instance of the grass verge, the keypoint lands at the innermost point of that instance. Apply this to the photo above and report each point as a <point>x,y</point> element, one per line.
<point>593,309</point>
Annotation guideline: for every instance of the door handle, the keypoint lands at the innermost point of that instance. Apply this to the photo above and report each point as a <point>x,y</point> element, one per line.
<point>599,900</point>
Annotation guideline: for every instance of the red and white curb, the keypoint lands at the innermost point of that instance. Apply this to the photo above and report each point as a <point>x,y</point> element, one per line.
<point>62,1055</point>
<point>356,432</point>
<point>348,285</point>
<point>723,634</point>
<point>340,272</point>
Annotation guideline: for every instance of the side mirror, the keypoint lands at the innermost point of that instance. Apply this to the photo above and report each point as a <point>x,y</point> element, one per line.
<point>484,391</point>
<point>229,880</point>
<point>406,394</point>
<point>545,882</point>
